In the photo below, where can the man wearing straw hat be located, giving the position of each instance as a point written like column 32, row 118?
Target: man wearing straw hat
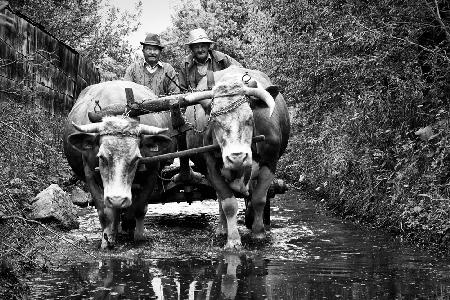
column 159, row 76
column 203, row 61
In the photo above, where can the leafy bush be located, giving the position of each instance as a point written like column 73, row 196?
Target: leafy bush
column 361, row 78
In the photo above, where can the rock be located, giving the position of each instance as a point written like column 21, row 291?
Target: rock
column 53, row 204
column 80, row 197
column 425, row 133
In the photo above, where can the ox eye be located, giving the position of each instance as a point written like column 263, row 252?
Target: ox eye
column 103, row 159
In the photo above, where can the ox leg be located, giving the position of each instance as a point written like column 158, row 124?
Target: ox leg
column 139, row 232
column 222, row 223
column 230, row 209
column 227, row 203
column 259, row 196
column 109, row 220
column 139, row 205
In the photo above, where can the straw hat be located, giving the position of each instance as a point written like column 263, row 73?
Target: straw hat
column 153, row 40
column 198, row 35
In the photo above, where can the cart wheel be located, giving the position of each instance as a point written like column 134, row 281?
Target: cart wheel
column 249, row 214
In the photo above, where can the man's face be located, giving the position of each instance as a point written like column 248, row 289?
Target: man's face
column 151, row 54
column 200, row 51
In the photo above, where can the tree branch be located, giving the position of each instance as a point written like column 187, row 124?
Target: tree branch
column 439, row 19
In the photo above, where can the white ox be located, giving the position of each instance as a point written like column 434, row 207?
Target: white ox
column 233, row 113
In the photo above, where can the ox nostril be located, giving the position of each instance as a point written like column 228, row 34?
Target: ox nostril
column 126, row 202
column 117, row 201
column 239, row 156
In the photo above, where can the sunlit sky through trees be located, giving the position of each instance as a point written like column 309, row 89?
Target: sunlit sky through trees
column 155, row 16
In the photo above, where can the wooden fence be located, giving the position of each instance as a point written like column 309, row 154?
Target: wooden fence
column 35, row 65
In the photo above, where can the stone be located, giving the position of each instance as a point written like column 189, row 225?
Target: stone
column 53, row 204
column 79, row 197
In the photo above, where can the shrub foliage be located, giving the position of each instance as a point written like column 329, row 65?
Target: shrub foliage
column 368, row 84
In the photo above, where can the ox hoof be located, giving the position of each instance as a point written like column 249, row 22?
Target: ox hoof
column 139, row 236
column 233, row 245
column 107, row 242
column 259, row 236
column 221, row 231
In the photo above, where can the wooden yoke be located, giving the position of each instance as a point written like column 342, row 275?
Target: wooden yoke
column 134, row 109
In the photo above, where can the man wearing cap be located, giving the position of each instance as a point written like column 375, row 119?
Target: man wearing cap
column 203, row 61
column 159, row 76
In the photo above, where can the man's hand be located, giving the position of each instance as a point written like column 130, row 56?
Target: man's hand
column 4, row 19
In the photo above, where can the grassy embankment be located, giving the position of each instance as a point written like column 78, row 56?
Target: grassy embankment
column 31, row 159
column 369, row 88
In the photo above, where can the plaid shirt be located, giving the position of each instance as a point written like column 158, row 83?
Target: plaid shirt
column 156, row 81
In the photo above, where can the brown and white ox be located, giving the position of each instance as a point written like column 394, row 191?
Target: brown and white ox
column 233, row 113
column 114, row 147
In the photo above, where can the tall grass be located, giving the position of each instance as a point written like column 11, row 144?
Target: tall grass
column 31, row 158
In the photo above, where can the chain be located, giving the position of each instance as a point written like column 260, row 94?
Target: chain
column 97, row 104
column 246, row 78
column 230, row 107
column 194, row 126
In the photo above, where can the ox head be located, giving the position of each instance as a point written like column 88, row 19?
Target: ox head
column 118, row 143
column 231, row 125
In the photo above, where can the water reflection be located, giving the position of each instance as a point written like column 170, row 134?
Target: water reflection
column 308, row 256
column 231, row 276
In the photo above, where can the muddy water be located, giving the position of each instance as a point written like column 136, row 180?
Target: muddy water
column 307, row 255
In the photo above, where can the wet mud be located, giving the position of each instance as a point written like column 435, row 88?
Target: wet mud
column 306, row 255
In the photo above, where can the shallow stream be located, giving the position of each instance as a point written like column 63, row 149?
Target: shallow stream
column 307, row 255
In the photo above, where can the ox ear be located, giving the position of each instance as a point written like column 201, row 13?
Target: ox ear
column 273, row 90
column 152, row 145
column 83, row 141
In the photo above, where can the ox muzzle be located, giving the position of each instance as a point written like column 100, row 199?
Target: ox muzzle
column 236, row 157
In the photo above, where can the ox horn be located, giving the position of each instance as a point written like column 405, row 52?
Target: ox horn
column 147, row 129
column 199, row 96
column 263, row 95
column 88, row 128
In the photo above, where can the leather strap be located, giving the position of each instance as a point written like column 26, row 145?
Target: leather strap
column 210, row 79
